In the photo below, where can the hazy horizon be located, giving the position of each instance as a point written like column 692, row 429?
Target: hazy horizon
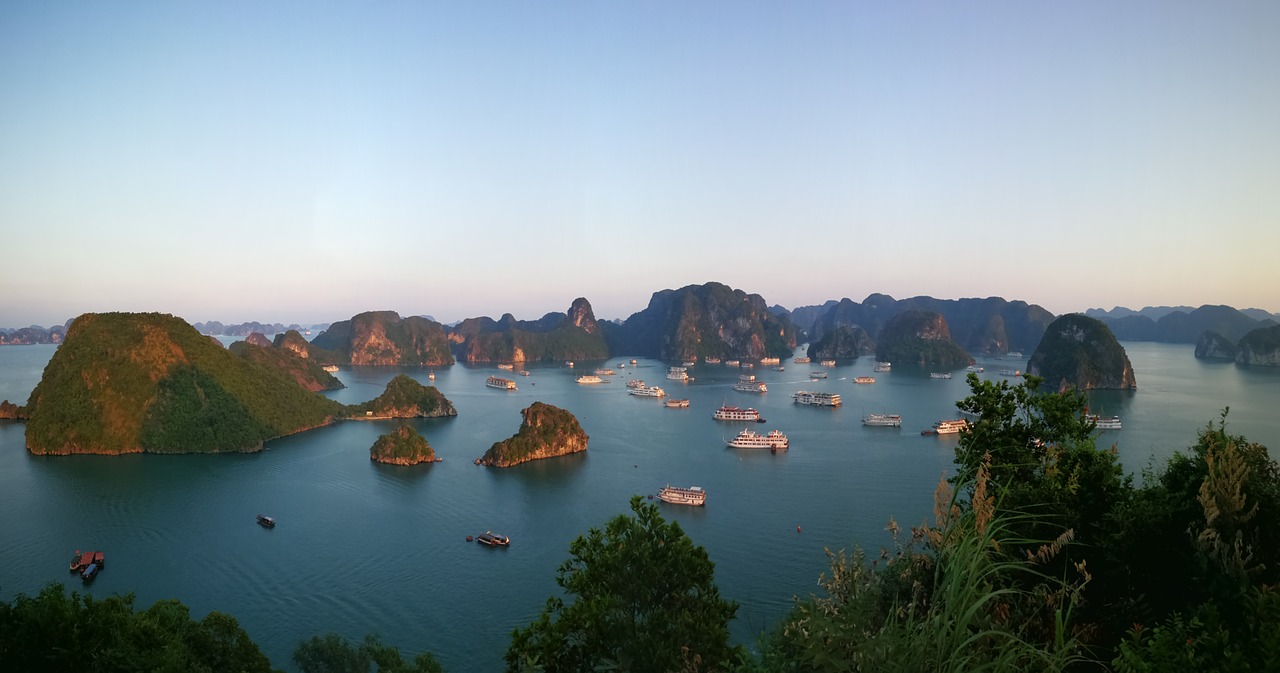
column 286, row 162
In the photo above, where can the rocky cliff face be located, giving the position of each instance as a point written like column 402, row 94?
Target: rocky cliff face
column 991, row 325
column 384, row 338
column 842, row 342
column 1081, row 352
column 573, row 335
column 711, row 320
column 1260, row 347
column 546, row 432
column 405, row 398
column 259, row 339
column 1214, row 346
column 920, row 337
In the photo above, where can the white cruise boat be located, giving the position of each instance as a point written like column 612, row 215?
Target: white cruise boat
column 883, row 420
column 694, row 495
column 940, row 375
column 747, row 383
column 770, row 361
column 948, row 427
column 646, row 391
column 802, row 361
column 773, row 440
column 589, row 378
column 1014, row 354
column 635, row 383
column 817, row 399
column 864, row 379
column 1101, row 423
column 731, row 363
column 828, row 363
column 883, row 366
column 688, row 363
column 817, row 375
column 711, row 361
column 330, row 368
column 504, row 384
column 506, row 366
column 677, row 374
column 604, row 372
column 727, row 413
column 676, row 404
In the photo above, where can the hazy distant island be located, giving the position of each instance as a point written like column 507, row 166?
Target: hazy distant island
column 402, row 446
column 546, row 432
column 1081, row 352
column 149, row 382
column 1182, row 324
column 920, row 337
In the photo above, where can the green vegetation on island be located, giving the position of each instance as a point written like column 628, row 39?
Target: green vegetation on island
column 1081, row 352
column 573, row 335
column 920, row 337
column 402, row 446
column 546, row 432
column 306, row 372
column 1260, row 347
column 405, row 398
column 131, row 382
column 384, row 338
column 843, row 341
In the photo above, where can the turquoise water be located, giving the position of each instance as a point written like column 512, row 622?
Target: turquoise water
column 364, row 548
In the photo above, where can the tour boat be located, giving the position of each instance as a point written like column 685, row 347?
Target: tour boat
column 940, row 375
column 974, row 368
column 504, row 384
column 647, row 391
column 711, row 361
column 883, row 420
column 747, row 383
column 523, row 372
column 947, row 427
column 694, row 495
column 491, row 539
column 1100, row 423
column 688, row 363
column 432, row 376
column 828, row 363
column 266, row 521
column 773, row 440
column 817, row 399
column 677, row 374
column 506, row 366
column 589, row 378
column 731, row 363
column 96, row 562
column 770, row 361
column 727, row 413
column 635, row 383
column 81, row 560
column 604, row 372
column 802, row 361
column 330, row 368
column 864, row 379
column 883, row 367
column 817, row 375
column 1010, row 372
column 778, row 368
column 677, row 404
column 1014, row 354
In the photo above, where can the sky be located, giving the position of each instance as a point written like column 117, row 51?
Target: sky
column 305, row 161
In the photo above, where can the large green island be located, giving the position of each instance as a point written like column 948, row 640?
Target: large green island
column 150, row 383
column 546, row 432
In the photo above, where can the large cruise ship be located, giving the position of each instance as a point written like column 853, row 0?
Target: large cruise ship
column 817, row 399
column 883, row 420
column 504, row 384
column 694, row 495
column 747, row 383
column 589, row 378
column 773, row 440
column 647, row 391
column 728, row 413
column 677, row 374
column 1100, row 423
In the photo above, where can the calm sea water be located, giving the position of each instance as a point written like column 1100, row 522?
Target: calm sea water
column 366, row 548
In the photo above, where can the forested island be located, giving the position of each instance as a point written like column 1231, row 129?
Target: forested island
column 1081, row 352
column 402, row 446
column 546, row 431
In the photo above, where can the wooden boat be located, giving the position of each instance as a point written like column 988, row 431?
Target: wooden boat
column 491, row 539
column 266, row 521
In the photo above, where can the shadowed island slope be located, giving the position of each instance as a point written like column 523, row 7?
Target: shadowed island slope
column 1081, row 352
column 149, row 382
column 384, row 338
column 920, row 337
column 546, row 432
column 1260, row 347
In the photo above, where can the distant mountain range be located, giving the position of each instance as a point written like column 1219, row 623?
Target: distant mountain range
column 1182, row 324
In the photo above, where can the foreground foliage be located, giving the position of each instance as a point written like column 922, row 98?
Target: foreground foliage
column 332, row 653
column 642, row 599
column 56, row 631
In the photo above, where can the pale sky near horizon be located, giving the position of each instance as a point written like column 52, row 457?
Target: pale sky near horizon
column 302, row 162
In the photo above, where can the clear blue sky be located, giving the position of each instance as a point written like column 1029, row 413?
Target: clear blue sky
column 304, row 161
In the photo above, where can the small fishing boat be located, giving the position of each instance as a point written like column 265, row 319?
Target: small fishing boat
column 266, row 521
column 491, row 539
